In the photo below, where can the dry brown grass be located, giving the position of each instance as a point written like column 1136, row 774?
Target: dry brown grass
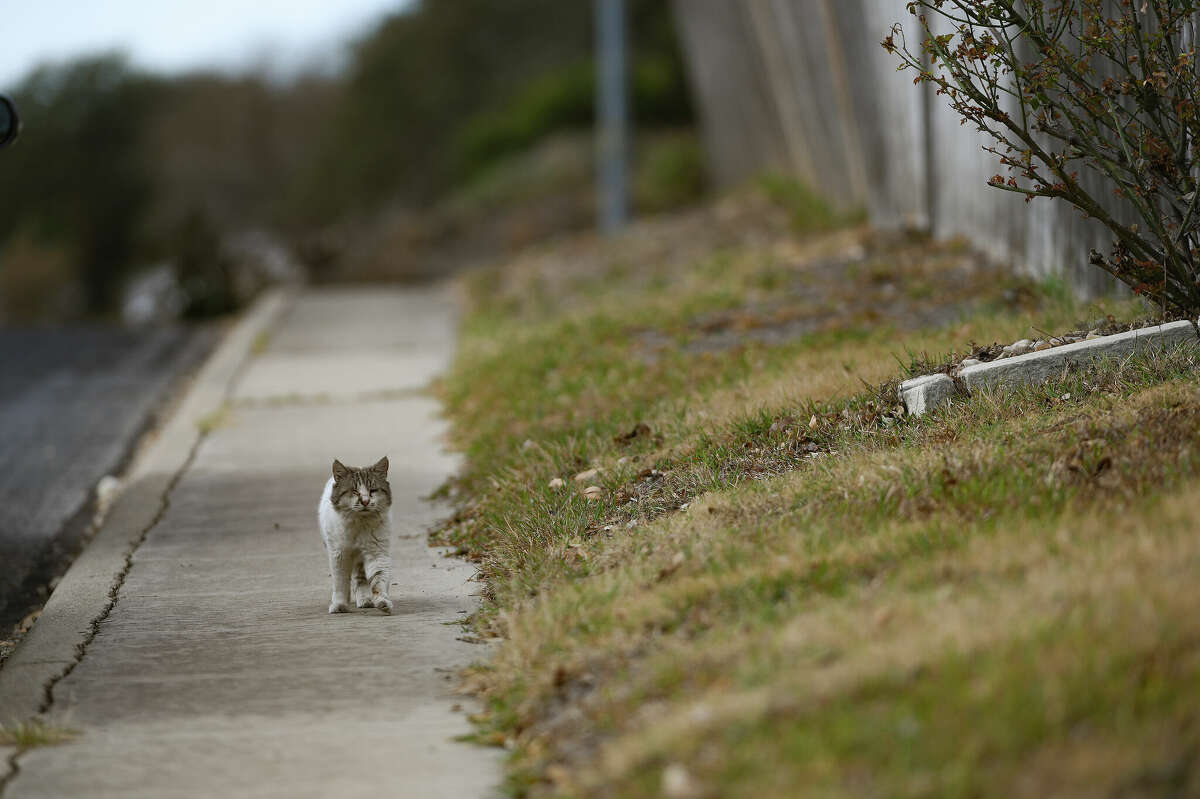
column 895, row 615
column 829, row 587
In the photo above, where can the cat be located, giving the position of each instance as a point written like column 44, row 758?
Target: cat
column 355, row 517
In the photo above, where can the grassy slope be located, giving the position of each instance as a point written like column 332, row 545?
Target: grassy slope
column 785, row 587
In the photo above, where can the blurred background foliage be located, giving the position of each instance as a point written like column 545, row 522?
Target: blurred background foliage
column 458, row 130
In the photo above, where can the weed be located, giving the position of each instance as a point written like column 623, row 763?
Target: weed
column 34, row 733
column 212, row 421
column 261, row 342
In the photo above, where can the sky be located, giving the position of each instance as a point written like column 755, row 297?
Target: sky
column 178, row 35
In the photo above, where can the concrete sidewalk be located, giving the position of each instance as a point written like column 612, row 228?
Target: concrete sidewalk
column 73, row 402
column 218, row 671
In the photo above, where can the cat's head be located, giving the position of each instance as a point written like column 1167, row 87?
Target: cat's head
column 360, row 491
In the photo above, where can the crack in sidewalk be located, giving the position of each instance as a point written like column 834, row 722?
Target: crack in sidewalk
column 14, row 768
column 114, row 591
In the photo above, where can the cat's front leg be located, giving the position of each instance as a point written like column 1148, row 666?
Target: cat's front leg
column 360, row 587
column 341, row 563
column 380, row 571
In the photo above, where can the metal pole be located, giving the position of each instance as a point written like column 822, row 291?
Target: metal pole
column 612, row 116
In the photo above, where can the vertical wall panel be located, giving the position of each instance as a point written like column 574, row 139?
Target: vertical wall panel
column 804, row 86
column 741, row 128
column 888, row 110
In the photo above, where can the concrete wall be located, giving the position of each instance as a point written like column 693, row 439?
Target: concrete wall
column 804, row 86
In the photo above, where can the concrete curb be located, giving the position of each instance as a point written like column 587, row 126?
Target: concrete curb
column 922, row 394
column 86, row 592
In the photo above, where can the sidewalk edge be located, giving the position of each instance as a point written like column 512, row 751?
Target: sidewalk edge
column 86, row 592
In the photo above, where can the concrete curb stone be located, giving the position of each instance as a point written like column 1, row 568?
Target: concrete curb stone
column 922, row 394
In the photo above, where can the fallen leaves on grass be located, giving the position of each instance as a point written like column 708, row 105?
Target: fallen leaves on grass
column 640, row 431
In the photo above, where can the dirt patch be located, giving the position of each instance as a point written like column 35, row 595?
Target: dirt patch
column 905, row 282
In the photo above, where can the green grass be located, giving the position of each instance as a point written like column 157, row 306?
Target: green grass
column 262, row 340
column 34, row 733
column 214, row 420
column 807, row 210
column 786, row 586
column 563, row 100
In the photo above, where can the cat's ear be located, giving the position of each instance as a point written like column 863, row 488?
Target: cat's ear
column 381, row 466
column 339, row 471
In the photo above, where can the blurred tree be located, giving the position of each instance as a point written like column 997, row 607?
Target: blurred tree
column 204, row 270
column 417, row 76
column 78, row 180
column 230, row 147
column 439, row 91
column 119, row 169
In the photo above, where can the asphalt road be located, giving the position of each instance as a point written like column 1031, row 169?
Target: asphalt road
column 72, row 403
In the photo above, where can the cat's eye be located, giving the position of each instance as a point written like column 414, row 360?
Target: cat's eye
column 373, row 490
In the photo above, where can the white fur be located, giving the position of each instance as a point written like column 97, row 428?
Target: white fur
column 358, row 540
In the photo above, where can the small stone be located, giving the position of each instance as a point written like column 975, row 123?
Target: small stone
column 558, row 774
column 677, row 783
column 107, row 490
column 527, row 444
column 593, row 492
column 813, row 422
column 1092, row 334
column 970, row 362
column 557, row 482
column 632, row 523
column 622, row 460
column 1042, row 345
column 584, row 476
column 1019, row 347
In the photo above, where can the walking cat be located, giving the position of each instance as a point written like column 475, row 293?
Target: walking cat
column 355, row 515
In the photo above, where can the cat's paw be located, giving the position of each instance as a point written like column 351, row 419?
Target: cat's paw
column 339, row 607
column 364, row 602
column 384, row 604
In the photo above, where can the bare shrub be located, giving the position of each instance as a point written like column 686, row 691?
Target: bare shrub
column 1102, row 85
